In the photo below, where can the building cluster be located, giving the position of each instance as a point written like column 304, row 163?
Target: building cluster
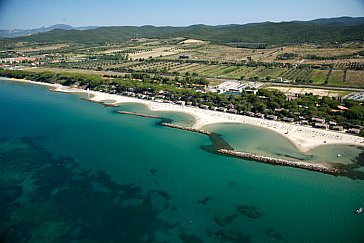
column 167, row 97
column 12, row 60
column 236, row 87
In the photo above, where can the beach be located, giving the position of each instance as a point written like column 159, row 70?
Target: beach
column 303, row 138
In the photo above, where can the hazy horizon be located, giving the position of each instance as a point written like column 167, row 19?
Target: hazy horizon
column 19, row 14
column 45, row 26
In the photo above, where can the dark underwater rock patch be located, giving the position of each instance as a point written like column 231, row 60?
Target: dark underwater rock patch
column 273, row 233
column 225, row 220
column 189, row 238
column 249, row 211
column 224, row 235
column 204, row 201
column 153, row 171
column 64, row 203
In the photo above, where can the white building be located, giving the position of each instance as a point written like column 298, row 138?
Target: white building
column 234, row 86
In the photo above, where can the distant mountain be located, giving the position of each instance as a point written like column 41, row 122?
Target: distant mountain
column 339, row 21
column 294, row 32
column 20, row 32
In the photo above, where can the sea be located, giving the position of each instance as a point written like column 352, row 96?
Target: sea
column 76, row 171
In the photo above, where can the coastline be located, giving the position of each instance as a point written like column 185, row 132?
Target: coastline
column 304, row 138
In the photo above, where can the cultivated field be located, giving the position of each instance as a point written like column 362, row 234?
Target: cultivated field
column 320, row 92
column 332, row 65
column 34, row 48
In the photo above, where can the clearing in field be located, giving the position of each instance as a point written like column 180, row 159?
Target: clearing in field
column 354, row 77
column 42, row 48
column 289, row 91
column 157, row 52
column 191, row 41
column 65, row 70
column 336, row 77
column 319, row 76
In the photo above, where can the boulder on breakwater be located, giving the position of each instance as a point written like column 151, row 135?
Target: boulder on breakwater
column 186, row 128
column 138, row 114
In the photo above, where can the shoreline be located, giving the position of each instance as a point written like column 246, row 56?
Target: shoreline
column 304, row 138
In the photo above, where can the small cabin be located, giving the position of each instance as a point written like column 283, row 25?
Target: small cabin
column 271, row 117
column 221, row 109
column 319, row 120
column 231, row 110
column 204, row 107
column 338, row 128
column 249, row 113
column 354, row 130
column 288, row 119
column 180, row 103
column 320, row 125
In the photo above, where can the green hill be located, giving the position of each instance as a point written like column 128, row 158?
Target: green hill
column 317, row 31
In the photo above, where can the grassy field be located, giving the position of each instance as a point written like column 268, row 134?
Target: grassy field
column 355, row 78
column 293, row 74
column 336, row 77
column 227, row 70
column 83, row 71
column 187, row 67
column 214, row 71
column 319, row 76
column 242, row 71
column 41, row 48
column 272, row 72
column 221, row 53
column 214, row 82
column 305, row 50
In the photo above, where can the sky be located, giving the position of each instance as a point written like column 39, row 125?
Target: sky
column 27, row 14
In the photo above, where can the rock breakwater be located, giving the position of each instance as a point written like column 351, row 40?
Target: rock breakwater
column 186, row 128
column 138, row 114
column 283, row 162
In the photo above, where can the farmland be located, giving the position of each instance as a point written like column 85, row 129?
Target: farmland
column 336, row 65
column 293, row 92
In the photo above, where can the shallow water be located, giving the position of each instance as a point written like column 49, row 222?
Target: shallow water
column 263, row 141
column 72, row 170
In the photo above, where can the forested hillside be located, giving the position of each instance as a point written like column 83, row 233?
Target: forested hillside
column 295, row 32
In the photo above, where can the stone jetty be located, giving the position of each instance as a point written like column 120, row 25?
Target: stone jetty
column 186, row 128
column 99, row 102
column 282, row 162
column 138, row 114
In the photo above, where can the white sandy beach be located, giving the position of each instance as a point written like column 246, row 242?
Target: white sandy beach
column 303, row 137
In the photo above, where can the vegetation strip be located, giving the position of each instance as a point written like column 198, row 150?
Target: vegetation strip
column 282, row 162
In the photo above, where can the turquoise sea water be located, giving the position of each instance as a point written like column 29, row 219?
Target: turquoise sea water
column 75, row 171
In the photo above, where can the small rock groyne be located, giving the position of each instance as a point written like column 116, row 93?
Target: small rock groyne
column 99, row 102
column 282, row 162
column 138, row 114
column 186, row 128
